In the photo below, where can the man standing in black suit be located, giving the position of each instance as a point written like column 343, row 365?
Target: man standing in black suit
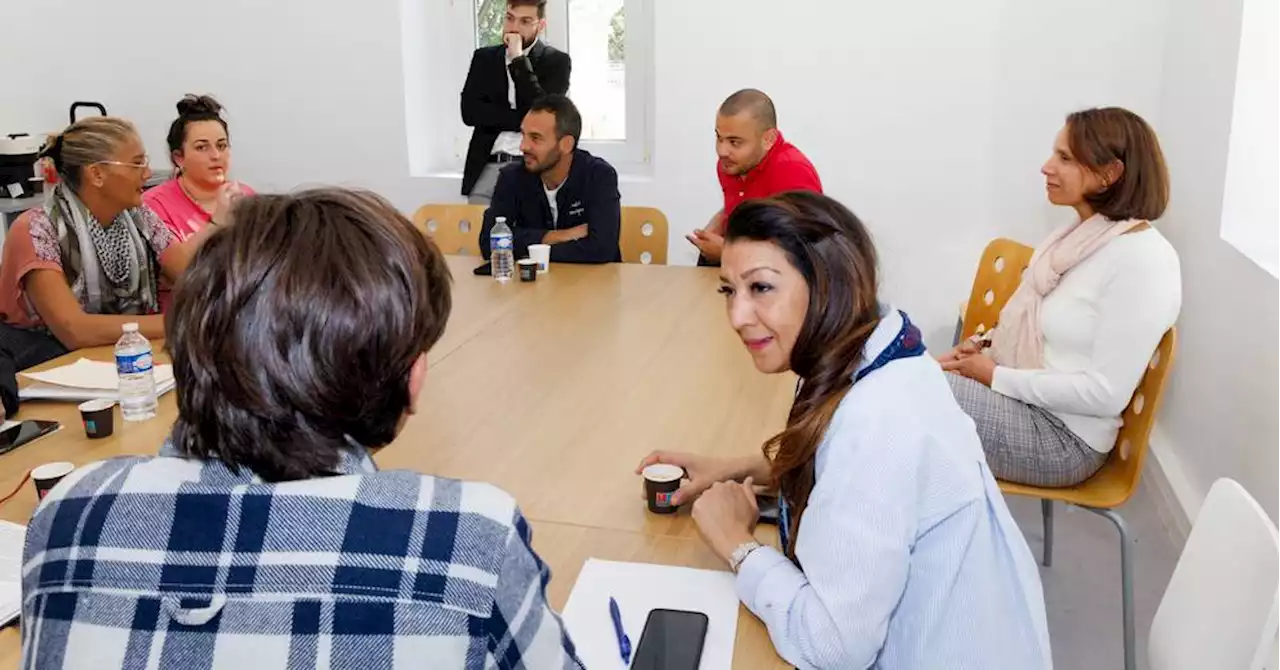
column 502, row 84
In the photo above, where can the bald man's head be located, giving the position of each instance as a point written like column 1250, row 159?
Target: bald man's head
column 752, row 102
column 746, row 129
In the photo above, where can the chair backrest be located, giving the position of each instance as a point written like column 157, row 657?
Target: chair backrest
column 455, row 228
column 1219, row 610
column 643, row 238
column 999, row 274
column 1139, row 417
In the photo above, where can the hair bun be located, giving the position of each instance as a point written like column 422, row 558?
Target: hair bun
column 52, row 148
column 198, row 105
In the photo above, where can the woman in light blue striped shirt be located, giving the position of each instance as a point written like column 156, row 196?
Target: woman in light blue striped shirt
column 897, row 548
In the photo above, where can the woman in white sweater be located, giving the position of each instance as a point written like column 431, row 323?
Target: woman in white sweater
column 1047, row 386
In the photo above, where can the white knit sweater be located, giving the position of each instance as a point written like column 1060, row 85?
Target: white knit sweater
column 1101, row 325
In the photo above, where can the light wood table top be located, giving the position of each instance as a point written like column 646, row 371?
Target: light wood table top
column 553, row 391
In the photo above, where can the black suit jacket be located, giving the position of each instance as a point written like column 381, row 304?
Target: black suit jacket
column 589, row 195
column 485, row 106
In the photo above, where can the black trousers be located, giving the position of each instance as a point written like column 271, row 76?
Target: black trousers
column 29, row 347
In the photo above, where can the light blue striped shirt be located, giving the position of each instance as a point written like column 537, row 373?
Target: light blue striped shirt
column 911, row 558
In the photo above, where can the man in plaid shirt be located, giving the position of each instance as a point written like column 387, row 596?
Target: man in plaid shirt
column 263, row 536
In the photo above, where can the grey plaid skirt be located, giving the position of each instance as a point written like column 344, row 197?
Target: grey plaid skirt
column 1025, row 443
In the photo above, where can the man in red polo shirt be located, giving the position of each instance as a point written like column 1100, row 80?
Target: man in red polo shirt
column 755, row 162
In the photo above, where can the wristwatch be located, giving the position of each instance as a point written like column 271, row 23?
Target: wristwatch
column 741, row 553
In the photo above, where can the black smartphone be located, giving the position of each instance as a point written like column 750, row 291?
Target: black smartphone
column 672, row 640
column 483, row 270
column 26, row 431
column 768, row 506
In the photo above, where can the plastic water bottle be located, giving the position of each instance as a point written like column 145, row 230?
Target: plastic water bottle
column 137, row 379
column 501, row 251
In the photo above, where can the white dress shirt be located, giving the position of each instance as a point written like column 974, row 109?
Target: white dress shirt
column 1101, row 324
column 910, row 557
column 508, row 142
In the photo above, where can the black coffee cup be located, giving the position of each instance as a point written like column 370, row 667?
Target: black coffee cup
column 98, row 417
column 661, row 481
column 528, row 269
column 48, row 475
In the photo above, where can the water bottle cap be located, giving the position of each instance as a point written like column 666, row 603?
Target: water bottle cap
column 500, row 219
column 130, row 327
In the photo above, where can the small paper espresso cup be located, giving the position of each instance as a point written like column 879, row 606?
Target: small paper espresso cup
column 661, row 481
column 47, row 476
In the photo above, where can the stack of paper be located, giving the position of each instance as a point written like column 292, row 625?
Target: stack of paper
column 639, row 588
column 85, row 380
column 11, row 538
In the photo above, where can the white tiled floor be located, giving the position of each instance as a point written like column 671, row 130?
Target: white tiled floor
column 1082, row 588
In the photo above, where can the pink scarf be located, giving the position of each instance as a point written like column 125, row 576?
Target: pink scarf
column 1018, row 342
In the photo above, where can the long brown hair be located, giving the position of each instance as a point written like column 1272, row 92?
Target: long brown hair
column 832, row 250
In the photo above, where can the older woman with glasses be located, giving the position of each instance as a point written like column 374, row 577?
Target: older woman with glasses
column 74, row 271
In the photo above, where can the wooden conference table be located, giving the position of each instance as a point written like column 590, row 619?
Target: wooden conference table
column 553, row 391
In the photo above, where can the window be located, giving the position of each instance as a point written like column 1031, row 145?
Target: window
column 1250, row 211
column 610, row 43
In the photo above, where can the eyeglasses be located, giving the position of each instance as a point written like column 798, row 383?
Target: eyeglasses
column 144, row 165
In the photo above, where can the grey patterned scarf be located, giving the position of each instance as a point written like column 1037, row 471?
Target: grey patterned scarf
column 111, row 269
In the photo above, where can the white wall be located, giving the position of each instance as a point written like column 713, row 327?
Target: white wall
column 929, row 121
column 1219, row 418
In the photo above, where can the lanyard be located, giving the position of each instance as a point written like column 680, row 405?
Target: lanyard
column 906, row 344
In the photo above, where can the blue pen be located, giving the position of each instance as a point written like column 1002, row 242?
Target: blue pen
column 624, row 642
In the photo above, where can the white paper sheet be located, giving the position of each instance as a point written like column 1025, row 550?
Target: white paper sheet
column 92, row 375
column 41, row 391
column 11, row 538
column 639, row 588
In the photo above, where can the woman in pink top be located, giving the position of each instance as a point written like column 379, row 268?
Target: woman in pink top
column 200, row 149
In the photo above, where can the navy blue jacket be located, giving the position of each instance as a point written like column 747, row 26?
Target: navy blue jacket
column 588, row 195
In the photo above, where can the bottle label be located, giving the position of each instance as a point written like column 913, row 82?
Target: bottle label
column 501, row 242
column 132, row 364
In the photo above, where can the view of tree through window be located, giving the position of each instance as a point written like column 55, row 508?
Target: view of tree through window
column 618, row 36
column 489, row 17
column 597, row 42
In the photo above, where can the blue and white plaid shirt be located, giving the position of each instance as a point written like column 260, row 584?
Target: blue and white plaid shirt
column 169, row 562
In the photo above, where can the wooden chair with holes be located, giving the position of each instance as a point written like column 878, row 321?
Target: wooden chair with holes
column 454, row 228
column 999, row 273
column 1116, row 482
column 643, row 238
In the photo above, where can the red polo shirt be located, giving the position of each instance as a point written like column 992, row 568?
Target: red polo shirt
column 783, row 169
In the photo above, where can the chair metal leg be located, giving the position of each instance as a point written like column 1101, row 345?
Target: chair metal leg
column 1046, row 513
column 1126, row 584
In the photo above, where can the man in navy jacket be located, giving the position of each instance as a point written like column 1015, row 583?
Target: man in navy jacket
column 560, row 195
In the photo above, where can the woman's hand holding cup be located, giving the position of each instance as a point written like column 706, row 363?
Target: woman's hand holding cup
column 700, row 472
